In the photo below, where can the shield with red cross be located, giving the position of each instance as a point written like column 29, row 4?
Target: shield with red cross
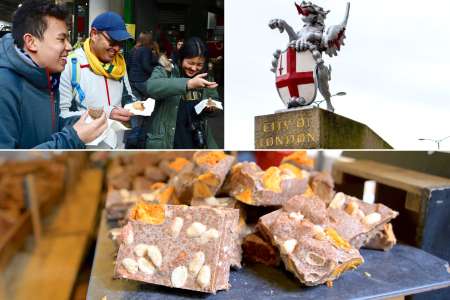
column 296, row 76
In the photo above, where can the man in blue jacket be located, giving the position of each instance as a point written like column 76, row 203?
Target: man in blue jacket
column 31, row 60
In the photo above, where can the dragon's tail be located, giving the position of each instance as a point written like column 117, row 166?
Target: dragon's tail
column 347, row 14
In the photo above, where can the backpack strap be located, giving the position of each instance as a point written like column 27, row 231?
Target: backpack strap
column 75, row 80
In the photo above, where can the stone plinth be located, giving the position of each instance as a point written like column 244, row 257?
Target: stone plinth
column 314, row 128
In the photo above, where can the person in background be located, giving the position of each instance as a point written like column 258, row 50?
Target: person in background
column 175, row 54
column 96, row 75
column 141, row 62
column 31, row 60
column 79, row 43
column 177, row 89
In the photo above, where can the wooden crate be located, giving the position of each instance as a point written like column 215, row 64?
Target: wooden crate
column 423, row 200
column 50, row 269
column 15, row 237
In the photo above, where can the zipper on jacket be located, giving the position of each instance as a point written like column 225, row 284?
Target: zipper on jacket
column 52, row 98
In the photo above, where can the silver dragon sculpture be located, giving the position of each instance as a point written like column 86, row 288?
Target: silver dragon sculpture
column 313, row 37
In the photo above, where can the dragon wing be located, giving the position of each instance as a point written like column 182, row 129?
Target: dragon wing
column 335, row 36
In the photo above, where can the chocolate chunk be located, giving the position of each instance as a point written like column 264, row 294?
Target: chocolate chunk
column 155, row 174
column 384, row 239
column 322, row 185
column 257, row 250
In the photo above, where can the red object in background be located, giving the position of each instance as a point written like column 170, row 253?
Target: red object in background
column 80, row 25
column 267, row 159
column 215, row 49
column 220, row 20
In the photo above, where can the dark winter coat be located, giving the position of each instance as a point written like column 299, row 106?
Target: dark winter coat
column 29, row 106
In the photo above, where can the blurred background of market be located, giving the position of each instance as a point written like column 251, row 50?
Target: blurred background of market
column 168, row 20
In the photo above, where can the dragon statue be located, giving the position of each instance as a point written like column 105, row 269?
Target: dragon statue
column 314, row 38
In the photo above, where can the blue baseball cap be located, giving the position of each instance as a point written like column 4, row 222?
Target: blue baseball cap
column 113, row 25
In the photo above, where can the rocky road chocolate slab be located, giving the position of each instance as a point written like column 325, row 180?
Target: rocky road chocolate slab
column 178, row 246
column 314, row 254
column 355, row 221
column 253, row 186
column 358, row 221
column 119, row 202
column 211, row 169
column 204, row 179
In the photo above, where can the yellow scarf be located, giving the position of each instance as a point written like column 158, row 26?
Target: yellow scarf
column 115, row 70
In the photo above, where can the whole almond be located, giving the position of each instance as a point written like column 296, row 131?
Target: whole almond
column 196, row 229
column 145, row 266
column 130, row 265
column 130, row 237
column 155, row 255
column 372, row 218
column 140, row 250
column 176, row 226
column 179, row 276
column 204, row 276
column 210, row 234
column 196, row 263
column 338, row 201
column 288, row 246
column 315, row 259
column 296, row 216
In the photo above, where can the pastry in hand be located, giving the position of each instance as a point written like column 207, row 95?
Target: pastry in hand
column 210, row 102
column 95, row 113
column 138, row 105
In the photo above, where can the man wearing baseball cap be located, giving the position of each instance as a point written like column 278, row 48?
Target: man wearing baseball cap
column 95, row 75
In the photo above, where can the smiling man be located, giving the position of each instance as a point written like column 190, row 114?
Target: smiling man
column 95, row 76
column 31, row 60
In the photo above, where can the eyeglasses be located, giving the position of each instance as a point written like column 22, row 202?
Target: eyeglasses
column 111, row 42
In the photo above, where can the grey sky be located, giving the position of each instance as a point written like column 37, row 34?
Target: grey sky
column 394, row 67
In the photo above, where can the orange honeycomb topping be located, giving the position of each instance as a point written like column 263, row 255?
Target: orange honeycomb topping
column 206, row 185
column 336, row 239
column 209, row 179
column 245, row 196
column 166, row 195
column 309, row 192
column 352, row 264
column 272, row 179
column 300, row 158
column 209, row 158
column 178, row 164
column 148, row 213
